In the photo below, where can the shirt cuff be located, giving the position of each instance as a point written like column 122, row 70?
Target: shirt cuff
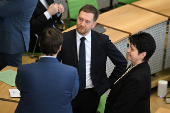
column 47, row 15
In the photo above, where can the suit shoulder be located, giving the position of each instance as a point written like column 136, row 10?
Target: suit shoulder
column 69, row 32
column 100, row 34
column 67, row 67
column 26, row 66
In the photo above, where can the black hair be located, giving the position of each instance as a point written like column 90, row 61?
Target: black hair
column 144, row 42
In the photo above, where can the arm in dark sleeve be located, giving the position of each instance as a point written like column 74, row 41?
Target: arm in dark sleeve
column 129, row 95
column 57, row 18
column 118, row 60
column 37, row 22
column 18, row 80
column 10, row 7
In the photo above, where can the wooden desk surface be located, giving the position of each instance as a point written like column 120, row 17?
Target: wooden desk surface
column 69, row 29
column 130, row 19
column 7, row 107
column 157, row 102
column 163, row 110
column 114, row 35
column 4, row 88
column 158, row 6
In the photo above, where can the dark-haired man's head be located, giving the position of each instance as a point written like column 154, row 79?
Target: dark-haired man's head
column 50, row 41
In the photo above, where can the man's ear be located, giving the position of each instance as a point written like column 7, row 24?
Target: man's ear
column 94, row 24
column 59, row 49
column 39, row 44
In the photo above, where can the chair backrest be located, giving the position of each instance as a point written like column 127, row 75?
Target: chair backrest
column 75, row 5
column 103, row 3
column 101, row 106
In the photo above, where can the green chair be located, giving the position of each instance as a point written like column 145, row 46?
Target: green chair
column 127, row 1
column 74, row 7
column 102, row 103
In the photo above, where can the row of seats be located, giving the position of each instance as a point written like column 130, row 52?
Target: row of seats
column 100, row 3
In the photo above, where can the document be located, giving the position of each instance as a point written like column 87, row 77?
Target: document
column 14, row 93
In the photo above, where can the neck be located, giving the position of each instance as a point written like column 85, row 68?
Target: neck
column 136, row 63
column 55, row 55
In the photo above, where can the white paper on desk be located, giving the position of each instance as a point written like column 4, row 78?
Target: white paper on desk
column 14, row 93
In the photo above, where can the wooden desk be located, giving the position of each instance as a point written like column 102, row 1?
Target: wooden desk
column 7, row 107
column 130, row 19
column 161, row 7
column 4, row 88
column 158, row 6
column 157, row 102
column 115, row 35
column 163, row 110
column 69, row 29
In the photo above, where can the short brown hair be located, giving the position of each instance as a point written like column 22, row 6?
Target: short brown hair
column 90, row 9
column 50, row 41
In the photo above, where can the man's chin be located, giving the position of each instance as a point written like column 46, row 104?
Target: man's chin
column 81, row 32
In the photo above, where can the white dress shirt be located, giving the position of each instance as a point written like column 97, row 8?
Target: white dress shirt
column 89, row 83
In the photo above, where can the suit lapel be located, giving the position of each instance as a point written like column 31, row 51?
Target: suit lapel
column 50, row 2
column 40, row 5
column 73, row 44
column 94, row 49
column 121, row 80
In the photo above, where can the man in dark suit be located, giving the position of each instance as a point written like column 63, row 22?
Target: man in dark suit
column 87, row 50
column 45, row 15
column 47, row 86
column 14, row 30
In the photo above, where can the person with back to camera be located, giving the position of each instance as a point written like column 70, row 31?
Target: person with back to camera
column 47, row 86
column 14, row 30
column 88, row 50
column 131, row 92
column 45, row 15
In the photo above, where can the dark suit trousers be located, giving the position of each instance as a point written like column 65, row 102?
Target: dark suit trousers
column 86, row 101
column 10, row 59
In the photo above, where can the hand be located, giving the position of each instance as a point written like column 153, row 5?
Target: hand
column 53, row 9
column 60, row 8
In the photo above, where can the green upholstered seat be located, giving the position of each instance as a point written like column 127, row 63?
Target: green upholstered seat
column 102, row 103
column 74, row 7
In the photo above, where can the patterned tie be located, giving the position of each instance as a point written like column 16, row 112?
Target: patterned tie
column 82, row 64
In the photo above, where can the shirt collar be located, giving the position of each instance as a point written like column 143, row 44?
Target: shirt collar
column 48, row 56
column 88, row 36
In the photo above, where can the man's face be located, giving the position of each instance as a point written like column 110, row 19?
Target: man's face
column 85, row 23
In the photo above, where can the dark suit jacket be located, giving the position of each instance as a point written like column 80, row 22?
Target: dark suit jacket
column 39, row 23
column 101, row 47
column 46, row 86
column 14, row 25
column 131, row 94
